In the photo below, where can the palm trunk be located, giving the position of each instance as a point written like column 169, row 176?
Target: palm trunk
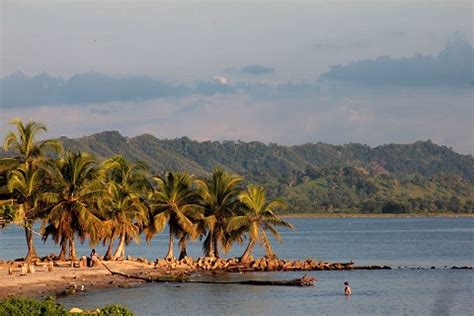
column 62, row 253
column 248, row 251
column 215, row 245
column 108, row 254
column 182, row 245
column 120, row 251
column 29, row 242
column 72, row 249
column 268, row 248
column 210, row 245
column 170, row 245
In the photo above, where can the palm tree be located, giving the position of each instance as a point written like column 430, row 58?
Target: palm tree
column 25, row 145
column 26, row 186
column 29, row 154
column 123, row 203
column 260, row 217
column 175, row 202
column 77, row 189
column 220, row 198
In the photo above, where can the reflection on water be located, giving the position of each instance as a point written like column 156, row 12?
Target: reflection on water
column 409, row 242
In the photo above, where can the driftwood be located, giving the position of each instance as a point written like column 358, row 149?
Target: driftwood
column 303, row 281
column 182, row 277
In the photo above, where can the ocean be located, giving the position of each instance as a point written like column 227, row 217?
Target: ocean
column 412, row 246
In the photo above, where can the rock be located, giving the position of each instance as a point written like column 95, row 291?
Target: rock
column 76, row 310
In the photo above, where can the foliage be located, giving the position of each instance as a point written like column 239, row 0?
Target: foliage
column 26, row 306
column 115, row 310
column 314, row 177
column 19, row 306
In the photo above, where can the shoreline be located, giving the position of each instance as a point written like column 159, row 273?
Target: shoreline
column 362, row 215
column 65, row 280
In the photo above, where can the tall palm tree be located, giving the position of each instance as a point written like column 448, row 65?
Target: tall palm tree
column 175, row 202
column 123, row 203
column 28, row 154
column 77, row 188
column 257, row 221
column 220, row 195
column 26, row 186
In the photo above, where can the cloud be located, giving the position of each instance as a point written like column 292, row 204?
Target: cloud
column 221, row 80
column 256, row 70
column 334, row 115
column 20, row 90
column 452, row 66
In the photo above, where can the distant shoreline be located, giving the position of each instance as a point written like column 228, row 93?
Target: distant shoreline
column 360, row 215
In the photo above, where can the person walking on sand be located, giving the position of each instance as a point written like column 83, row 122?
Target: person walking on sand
column 347, row 289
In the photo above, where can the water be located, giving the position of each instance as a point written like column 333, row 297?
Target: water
column 404, row 242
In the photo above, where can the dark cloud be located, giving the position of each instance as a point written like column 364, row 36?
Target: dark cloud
column 452, row 66
column 257, row 70
column 20, row 90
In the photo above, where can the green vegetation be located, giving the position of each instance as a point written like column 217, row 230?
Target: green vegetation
column 48, row 307
column 27, row 306
column 78, row 198
column 417, row 177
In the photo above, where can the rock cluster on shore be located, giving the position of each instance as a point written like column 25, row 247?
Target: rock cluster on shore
column 261, row 264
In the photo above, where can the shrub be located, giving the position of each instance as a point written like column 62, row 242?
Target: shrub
column 25, row 306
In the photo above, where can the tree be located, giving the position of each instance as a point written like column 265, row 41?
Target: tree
column 26, row 186
column 123, row 204
column 220, row 194
column 24, row 143
column 260, row 217
column 24, row 178
column 77, row 189
column 174, row 201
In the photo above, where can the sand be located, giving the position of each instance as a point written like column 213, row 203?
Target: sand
column 63, row 280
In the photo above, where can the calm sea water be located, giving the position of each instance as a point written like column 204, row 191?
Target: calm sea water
column 400, row 242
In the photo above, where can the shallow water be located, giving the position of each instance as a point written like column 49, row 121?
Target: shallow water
column 404, row 242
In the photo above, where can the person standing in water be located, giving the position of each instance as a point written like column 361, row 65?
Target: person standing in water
column 347, row 289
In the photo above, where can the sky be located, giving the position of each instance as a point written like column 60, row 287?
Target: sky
column 339, row 71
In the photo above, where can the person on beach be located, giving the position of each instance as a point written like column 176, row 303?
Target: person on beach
column 347, row 289
column 93, row 258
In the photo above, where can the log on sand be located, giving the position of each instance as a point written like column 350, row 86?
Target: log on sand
column 184, row 278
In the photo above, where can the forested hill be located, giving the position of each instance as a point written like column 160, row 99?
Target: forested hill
column 423, row 157
column 323, row 177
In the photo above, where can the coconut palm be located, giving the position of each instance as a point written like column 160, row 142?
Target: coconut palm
column 220, row 195
column 257, row 221
column 24, row 142
column 123, row 203
column 175, row 202
column 28, row 154
column 77, row 188
column 26, row 185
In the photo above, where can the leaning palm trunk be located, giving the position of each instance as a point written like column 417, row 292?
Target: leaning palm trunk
column 29, row 241
column 72, row 249
column 245, row 258
column 182, row 245
column 108, row 254
column 170, row 245
column 62, row 253
column 120, row 251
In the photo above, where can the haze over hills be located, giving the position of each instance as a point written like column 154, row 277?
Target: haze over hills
column 313, row 177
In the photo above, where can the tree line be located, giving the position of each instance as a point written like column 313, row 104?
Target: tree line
column 116, row 201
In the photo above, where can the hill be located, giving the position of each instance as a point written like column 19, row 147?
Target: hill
column 421, row 176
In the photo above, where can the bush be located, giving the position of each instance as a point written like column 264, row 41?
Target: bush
column 25, row 306
column 115, row 310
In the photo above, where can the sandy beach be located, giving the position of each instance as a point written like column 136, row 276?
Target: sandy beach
column 63, row 280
